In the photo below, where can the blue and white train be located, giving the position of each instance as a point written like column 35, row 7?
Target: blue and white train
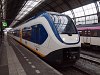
column 51, row 35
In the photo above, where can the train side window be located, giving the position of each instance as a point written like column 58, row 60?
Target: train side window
column 17, row 32
column 98, row 33
column 89, row 33
column 23, row 33
column 26, row 33
column 39, row 34
column 80, row 32
column 94, row 33
column 85, row 33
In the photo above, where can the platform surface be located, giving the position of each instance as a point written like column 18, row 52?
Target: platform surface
column 17, row 60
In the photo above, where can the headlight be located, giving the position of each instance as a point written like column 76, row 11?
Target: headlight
column 63, row 39
column 77, row 38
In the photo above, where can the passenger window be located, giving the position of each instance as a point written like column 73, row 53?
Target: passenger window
column 17, row 32
column 80, row 32
column 98, row 33
column 95, row 33
column 39, row 34
column 89, row 33
column 26, row 33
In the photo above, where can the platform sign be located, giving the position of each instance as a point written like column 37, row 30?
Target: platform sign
column 4, row 24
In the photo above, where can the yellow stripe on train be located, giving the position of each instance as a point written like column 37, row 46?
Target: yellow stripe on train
column 40, row 54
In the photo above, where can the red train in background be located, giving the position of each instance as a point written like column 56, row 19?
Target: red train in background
column 90, row 35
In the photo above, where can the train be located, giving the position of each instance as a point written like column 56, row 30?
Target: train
column 90, row 35
column 51, row 35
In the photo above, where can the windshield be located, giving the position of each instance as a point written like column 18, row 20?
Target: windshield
column 64, row 24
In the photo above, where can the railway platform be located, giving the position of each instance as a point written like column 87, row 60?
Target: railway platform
column 17, row 60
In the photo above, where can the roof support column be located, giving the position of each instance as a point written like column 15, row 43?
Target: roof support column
column 98, row 13
column 83, row 10
column 66, row 2
column 73, row 16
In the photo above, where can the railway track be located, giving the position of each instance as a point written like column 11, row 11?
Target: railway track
column 89, row 57
column 92, row 54
column 89, row 64
column 86, row 65
column 71, row 71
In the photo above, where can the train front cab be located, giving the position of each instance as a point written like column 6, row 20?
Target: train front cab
column 65, row 56
column 66, row 32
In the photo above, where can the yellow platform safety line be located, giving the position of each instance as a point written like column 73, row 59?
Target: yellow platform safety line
column 40, row 54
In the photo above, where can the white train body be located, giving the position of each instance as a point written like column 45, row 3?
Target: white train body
column 91, row 40
column 45, row 39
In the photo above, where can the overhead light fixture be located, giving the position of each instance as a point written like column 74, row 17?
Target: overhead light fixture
column 28, row 7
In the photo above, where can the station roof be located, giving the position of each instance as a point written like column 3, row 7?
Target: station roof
column 13, row 7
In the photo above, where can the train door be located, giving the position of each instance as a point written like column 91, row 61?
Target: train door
column 35, row 37
column 88, row 39
column 84, row 36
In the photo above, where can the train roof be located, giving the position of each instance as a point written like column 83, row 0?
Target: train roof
column 45, row 13
column 42, row 13
column 94, row 26
column 89, row 28
column 88, row 25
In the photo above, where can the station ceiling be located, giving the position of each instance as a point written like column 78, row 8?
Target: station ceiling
column 14, row 6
